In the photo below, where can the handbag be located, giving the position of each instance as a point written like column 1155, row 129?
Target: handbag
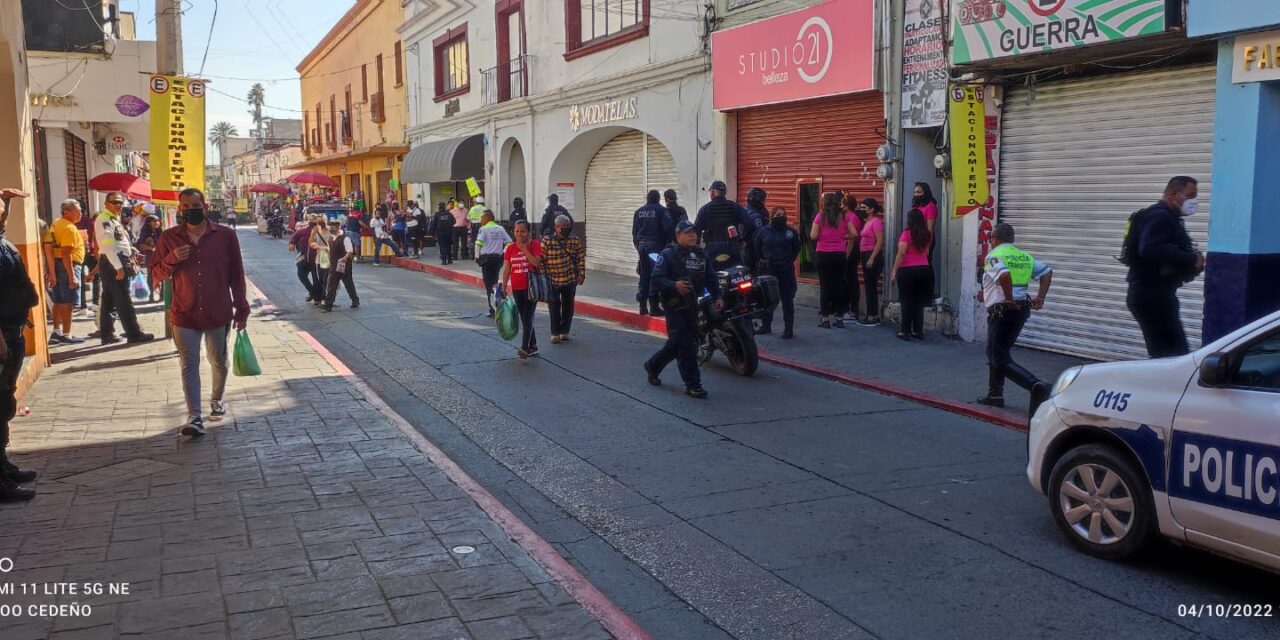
column 539, row 286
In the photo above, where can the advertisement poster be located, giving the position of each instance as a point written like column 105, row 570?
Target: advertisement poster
column 968, row 148
column 924, row 65
column 177, row 136
column 565, row 191
column 987, row 29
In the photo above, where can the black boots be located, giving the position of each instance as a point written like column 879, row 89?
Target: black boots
column 655, row 309
column 10, row 477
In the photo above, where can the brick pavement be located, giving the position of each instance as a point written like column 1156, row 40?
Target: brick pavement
column 304, row 513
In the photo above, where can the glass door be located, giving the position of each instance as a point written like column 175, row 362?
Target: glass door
column 808, row 200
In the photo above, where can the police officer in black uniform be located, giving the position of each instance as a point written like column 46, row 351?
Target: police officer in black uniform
column 518, row 212
column 650, row 228
column 715, row 221
column 1162, row 258
column 17, row 296
column 554, row 210
column 680, row 274
column 759, row 219
column 678, row 213
column 778, row 246
column 442, row 228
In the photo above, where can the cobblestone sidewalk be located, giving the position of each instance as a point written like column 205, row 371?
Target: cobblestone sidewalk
column 303, row 514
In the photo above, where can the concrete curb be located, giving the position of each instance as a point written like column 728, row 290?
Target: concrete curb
column 658, row 325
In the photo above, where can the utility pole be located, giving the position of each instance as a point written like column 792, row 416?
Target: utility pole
column 169, row 36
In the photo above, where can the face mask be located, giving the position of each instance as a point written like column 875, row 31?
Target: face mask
column 917, row 201
column 1190, row 206
column 779, row 223
column 564, row 233
column 193, row 215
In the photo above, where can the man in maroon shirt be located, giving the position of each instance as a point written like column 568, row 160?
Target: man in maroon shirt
column 203, row 259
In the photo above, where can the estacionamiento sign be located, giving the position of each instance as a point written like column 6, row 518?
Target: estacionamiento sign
column 988, row 29
column 177, row 136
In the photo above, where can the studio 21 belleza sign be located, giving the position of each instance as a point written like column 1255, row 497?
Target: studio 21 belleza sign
column 988, row 29
column 823, row 50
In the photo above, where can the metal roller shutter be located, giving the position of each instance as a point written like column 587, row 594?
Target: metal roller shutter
column 617, row 178
column 1077, row 158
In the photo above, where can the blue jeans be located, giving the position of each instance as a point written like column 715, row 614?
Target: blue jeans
column 355, row 241
column 377, row 249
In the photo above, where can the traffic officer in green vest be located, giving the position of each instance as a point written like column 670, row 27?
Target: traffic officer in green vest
column 1009, row 272
column 473, row 216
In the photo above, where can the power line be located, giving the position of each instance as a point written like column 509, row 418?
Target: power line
column 209, row 42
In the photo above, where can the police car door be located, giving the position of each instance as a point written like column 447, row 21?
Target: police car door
column 1224, row 463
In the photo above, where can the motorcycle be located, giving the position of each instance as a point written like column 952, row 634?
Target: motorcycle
column 275, row 225
column 731, row 330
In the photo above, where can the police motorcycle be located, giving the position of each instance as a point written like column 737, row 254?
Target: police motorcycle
column 275, row 223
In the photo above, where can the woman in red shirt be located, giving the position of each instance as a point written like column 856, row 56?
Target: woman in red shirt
column 518, row 259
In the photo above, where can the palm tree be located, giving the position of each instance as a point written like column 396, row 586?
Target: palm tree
column 221, row 132
column 257, row 95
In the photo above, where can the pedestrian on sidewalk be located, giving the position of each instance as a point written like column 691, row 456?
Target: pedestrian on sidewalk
column 922, row 199
column 778, row 246
column 518, row 212
column 399, row 224
column 418, row 223
column 90, row 283
column 341, row 253
column 148, row 238
column 871, row 258
column 382, row 236
column 1009, row 272
column 461, row 228
column 650, row 227
column 300, row 243
column 489, row 250
column 565, row 260
column 441, row 228
column 915, row 288
column 830, row 232
column 721, row 223
column 116, row 268
column 474, row 214
column 68, row 249
column 554, row 210
column 202, row 259
column 678, row 213
column 760, row 219
column 354, row 225
column 321, row 238
column 854, row 214
column 1162, row 257
column 17, row 297
column 682, row 270
column 519, row 259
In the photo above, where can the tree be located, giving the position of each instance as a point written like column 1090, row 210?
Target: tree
column 221, row 132
column 257, row 95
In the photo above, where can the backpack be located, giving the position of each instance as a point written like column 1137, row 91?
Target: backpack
column 1129, row 246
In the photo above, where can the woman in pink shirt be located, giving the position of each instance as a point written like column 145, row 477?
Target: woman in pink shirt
column 853, row 217
column 830, row 233
column 922, row 199
column 871, row 258
column 915, row 287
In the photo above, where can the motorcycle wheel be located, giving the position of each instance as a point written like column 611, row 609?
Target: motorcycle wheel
column 740, row 349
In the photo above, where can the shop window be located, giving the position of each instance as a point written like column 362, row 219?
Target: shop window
column 595, row 25
column 453, row 76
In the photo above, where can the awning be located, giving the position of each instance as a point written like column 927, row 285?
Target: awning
column 444, row 161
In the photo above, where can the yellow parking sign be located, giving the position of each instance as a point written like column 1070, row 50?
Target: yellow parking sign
column 473, row 187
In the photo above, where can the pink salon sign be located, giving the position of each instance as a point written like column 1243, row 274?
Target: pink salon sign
column 824, row 50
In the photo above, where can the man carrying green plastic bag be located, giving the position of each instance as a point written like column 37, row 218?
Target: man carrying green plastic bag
column 202, row 261
column 507, row 318
column 243, row 361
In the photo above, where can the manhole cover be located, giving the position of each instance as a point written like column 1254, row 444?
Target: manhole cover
column 463, row 549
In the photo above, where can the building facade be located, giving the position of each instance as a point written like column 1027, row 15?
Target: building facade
column 355, row 105
column 594, row 103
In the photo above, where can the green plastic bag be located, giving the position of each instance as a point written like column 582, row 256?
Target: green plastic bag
column 243, row 360
column 508, row 319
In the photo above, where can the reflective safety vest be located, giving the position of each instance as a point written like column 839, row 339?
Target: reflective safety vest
column 1019, row 263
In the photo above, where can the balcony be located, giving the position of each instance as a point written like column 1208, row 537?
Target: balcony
column 506, row 81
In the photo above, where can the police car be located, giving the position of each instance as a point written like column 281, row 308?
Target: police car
column 1188, row 447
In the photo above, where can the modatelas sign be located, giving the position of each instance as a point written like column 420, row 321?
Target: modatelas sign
column 987, row 29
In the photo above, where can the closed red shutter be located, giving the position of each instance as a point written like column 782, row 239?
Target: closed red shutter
column 831, row 140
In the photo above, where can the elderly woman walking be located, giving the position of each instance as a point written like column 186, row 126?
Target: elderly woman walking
column 565, row 261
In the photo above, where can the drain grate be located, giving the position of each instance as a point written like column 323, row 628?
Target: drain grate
column 118, row 472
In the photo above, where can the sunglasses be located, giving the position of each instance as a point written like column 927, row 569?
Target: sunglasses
column 115, row 202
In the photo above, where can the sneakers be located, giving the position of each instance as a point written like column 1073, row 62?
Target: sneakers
column 14, row 474
column 56, row 338
column 141, row 338
column 217, row 410
column 194, row 427
column 70, row 339
column 532, row 351
column 555, row 339
column 869, row 322
column 991, row 401
column 564, row 337
column 695, row 392
column 653, row 377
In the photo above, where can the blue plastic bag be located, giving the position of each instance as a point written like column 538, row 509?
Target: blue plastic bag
column 139, row 287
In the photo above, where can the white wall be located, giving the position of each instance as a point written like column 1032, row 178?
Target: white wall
column 93, row 83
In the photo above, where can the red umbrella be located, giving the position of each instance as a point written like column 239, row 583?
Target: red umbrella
column 126, row 183
column 267, row 187
column 312, row 177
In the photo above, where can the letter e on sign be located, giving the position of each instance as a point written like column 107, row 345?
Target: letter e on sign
column 196, row 89
column 159, row 84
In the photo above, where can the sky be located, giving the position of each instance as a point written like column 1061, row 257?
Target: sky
column 253, row 41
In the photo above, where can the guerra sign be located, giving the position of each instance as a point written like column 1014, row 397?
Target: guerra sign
column 989, row 29
column 823, row 50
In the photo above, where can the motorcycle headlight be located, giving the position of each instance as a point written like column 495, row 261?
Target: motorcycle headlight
column 1065, row 380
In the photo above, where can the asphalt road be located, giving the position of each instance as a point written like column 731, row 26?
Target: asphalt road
column 784, row 506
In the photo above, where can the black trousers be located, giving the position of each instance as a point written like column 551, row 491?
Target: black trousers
column 115, row 297
column 322, row 282
column 915, row 289
column 561, row 306
column 681, row 346
column 347, row 280
column 831, row 267
column 463, row 249
column 9, row 369
column 525, row 306
column 444, row 241
column 786, row 275
column 852, row 293
column 871, row 281
column 1156, row 310
column 644, row 267
column 1003, row 327
column 490, row 270
column 307, row 276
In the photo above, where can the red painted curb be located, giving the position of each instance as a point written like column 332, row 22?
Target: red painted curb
column 659, row 325
column 598, row 605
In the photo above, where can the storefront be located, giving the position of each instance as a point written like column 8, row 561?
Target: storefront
column 802, row 111
column 1078, row 155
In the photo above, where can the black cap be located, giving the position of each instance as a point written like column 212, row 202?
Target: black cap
column 683, row 226
column 756, row 194
column 669, row 194
column 718, row 185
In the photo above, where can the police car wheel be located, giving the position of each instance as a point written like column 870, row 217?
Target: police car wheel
column 1101, row 502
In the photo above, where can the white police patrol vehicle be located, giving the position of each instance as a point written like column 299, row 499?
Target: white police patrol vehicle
column 1187, row 446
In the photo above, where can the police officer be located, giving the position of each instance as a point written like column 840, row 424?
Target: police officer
column 677, row 212
column 518, row 212
column 17, row 296
column 553, row 211
column 720, row 225
column 650, row 228
column 1004, row 291
column 679, row 275
column 778, row 246
column 441, row 227
column 759, row 220
column 1162, row 258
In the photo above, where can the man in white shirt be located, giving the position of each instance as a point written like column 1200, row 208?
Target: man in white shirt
column 341, row 252
column 1004, row 291
column 115, row 269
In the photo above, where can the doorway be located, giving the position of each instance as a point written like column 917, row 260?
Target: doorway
column 808, row 200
